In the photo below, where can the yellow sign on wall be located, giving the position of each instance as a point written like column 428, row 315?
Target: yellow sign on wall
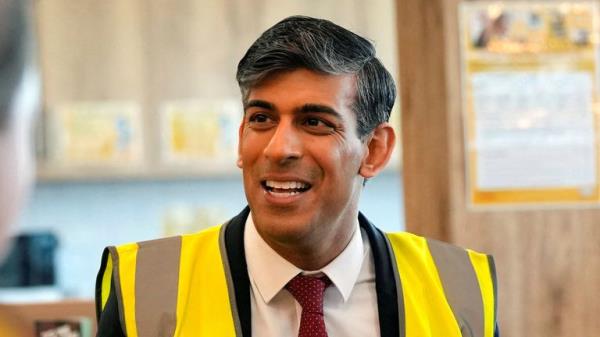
column 530, row 102
column 97, row 134
column 199, row 131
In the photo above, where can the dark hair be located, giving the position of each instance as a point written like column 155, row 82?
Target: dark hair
column 322, row 46
column 15, row 53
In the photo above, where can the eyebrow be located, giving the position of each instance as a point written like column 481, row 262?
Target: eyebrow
column 319, row 108
column 306, row 108
column 257, row 103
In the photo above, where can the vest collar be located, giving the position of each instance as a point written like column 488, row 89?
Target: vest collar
column 389, row 297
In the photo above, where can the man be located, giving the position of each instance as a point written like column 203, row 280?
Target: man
column 19, row 91
column 301, row 260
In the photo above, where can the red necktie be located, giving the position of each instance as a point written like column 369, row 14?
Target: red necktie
column 308, row 291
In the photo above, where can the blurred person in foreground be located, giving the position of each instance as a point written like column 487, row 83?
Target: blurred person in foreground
column 19, row 99
column 301, row 260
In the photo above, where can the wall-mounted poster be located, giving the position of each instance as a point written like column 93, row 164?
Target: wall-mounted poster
column 530, row 102
column 96, row 134
column 200, row 131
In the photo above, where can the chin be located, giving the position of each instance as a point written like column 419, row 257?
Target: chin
column 283, row 228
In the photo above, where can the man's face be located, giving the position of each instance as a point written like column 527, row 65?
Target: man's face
column 300, row 156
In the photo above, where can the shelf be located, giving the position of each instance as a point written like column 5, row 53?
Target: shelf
column 95, row 174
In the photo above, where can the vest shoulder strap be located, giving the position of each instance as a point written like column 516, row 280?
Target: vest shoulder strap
column 446, row 289
column 469, row 282
column 157, row 284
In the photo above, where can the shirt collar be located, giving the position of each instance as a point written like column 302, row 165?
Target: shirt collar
column 270, row 272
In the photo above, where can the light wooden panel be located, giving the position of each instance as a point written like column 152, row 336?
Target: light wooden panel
column 547, row 260
column 424, row 121
column 91, row 50
column 155, row 51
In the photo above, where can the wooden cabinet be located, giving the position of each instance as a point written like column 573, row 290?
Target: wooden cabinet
column 19, row 320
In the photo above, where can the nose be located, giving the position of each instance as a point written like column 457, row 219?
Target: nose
column 285, row 145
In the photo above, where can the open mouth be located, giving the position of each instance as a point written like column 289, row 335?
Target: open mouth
column 285, row 188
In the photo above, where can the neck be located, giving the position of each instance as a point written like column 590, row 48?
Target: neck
column 310, row 255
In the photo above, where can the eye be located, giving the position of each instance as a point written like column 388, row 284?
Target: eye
column 314, row 122
column 260, row 121
column 258, row 118
column 318, row 125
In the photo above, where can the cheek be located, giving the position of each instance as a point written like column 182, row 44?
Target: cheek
column 247, row 145
column 246, row 157
column 347, row 163
column 347, row 157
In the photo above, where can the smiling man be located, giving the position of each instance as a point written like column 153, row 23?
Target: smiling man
column 301, row 260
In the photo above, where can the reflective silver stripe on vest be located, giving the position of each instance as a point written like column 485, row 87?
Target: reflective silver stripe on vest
column 232, row 301
column 156, row 301
column 461, row 286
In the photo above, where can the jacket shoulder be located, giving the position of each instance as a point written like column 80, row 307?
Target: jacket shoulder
column 467, row 277
column 408, row 240
column 204, row 234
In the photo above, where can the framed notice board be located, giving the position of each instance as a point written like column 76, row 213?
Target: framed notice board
column 530, row 103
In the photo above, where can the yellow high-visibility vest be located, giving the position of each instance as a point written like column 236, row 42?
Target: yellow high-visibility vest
column 192, row 285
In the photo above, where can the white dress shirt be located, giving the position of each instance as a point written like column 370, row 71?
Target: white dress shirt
column 349, row 305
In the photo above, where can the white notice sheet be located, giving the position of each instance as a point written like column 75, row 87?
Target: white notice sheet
column 533, row 130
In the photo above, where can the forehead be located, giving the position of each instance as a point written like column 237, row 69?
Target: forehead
column 301, row 86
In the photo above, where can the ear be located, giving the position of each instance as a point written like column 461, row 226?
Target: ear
column 380, row 146
column 239, row 161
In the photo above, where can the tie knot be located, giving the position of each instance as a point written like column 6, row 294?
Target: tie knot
column 308, row 291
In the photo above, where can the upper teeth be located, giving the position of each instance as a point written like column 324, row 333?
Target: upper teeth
column 286, row 184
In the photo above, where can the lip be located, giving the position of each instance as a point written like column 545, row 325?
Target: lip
column 278, row 177
column 277, row 198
